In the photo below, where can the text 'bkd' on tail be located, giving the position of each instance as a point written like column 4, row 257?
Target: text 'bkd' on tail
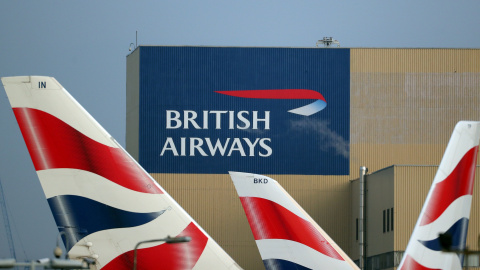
column 102, row 200
column 447, row 207
column 286, row 236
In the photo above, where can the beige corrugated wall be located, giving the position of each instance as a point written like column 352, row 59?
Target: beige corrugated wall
column 213, row 202
column 411, row 188
column 409, row 201
column 404, row 105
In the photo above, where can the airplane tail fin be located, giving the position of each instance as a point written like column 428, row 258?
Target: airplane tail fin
column 102, row 200
column 447, row 207
column 286, row 236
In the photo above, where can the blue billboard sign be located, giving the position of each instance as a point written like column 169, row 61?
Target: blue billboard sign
column 264, row 110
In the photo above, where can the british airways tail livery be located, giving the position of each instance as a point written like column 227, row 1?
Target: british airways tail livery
column 286, row 236
column 102, row 200
column 447, row 207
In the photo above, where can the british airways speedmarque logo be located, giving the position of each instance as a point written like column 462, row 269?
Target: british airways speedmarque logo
column 306, row 110
column 268, row 112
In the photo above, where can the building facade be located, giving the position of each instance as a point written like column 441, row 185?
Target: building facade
column 393, row 199
column 391, row 110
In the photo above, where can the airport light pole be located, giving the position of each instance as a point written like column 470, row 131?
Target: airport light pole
column 361, row 218
column 168, row 240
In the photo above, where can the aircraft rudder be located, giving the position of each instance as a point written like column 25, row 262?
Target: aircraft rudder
column 84, row 172
column 448, row 203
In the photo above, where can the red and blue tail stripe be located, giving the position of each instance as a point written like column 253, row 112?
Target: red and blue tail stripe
column 179, row 256
column 307, row 110
column 78, row 222
column 102, row 200
column 458, row 183
column 282, row 265
column 286, row 236
column 54, row 144
column 294, row 228
column 77, row 216
column 458, row 232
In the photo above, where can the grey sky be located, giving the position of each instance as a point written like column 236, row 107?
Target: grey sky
column 83, row 44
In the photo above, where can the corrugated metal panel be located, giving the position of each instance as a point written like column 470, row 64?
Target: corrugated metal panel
column 407, row 101
column 213, row 202
column 404, row 105
column 415, row 60
column 133, row 84
column 379, row 199
column 354, row 245
column 412, row 184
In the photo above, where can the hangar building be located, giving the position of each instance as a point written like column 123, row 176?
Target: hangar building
column 391, row 110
